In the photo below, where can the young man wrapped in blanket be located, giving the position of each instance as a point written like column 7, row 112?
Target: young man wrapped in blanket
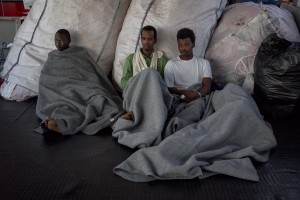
column 74, row 93
column 205, row 133
column 155, row 108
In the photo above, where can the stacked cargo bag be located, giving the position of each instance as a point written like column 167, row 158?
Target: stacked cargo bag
column 94, row 25
column 277, row 77
column 167, row 16
column 239, row 33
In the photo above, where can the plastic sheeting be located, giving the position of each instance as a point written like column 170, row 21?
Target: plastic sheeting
column 277, row 72
column 238, row 36
column 94, row 25
column 167, row 16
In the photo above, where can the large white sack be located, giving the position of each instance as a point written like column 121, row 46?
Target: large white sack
column 236, row 40
column 28, row 3
column 94, row 25
column 167, row 16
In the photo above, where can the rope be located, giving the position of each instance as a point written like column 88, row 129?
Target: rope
column 142, row 25
column 18, row 59
column 106, row 40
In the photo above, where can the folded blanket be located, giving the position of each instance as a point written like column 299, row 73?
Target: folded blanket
column 230, row 134
column 76, row 93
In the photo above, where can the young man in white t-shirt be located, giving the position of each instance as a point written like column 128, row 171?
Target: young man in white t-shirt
column 186, row 70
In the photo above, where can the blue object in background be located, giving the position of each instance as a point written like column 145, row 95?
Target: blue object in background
column 274, row 2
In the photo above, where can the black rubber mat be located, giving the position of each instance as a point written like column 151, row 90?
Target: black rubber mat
column 51, row 166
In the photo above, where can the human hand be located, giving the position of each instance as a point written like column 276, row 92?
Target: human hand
column 128, row 116
column 190, row 95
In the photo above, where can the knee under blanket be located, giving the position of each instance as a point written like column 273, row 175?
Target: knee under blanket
column 76, row 93
column 155, row 110
column 148, row 98
column 230, row 134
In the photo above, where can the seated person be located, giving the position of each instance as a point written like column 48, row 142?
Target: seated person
column 145, row 57
column 74, row 93
column 156, row 113
column 186, row 69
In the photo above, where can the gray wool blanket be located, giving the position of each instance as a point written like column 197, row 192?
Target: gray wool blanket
column 157, row 113
column 221, row 134
column 76, row 93
column 148, row 98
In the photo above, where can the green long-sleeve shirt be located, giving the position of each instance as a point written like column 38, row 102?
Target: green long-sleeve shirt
column 128, row 67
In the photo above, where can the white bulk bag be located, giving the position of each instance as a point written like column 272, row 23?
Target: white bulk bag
column 167, row 16
column 236, row 40
column 94, row 25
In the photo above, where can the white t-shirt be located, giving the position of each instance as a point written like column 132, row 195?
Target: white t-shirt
column 185, row 73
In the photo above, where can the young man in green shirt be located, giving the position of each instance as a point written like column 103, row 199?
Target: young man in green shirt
column 145, row 57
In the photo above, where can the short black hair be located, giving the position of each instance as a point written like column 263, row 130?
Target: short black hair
column 64, row 32
column 186, row 33
column 150, row 28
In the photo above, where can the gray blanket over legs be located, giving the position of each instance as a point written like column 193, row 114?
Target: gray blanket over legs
column 230, row 134
column 147, row 96
column 157, row 113
column 76, row 93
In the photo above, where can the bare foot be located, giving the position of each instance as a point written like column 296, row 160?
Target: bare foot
column 51, row 124
column 128, row 116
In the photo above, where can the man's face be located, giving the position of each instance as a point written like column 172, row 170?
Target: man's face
column 148, row 41
column 61, row 42
column 185, row 46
